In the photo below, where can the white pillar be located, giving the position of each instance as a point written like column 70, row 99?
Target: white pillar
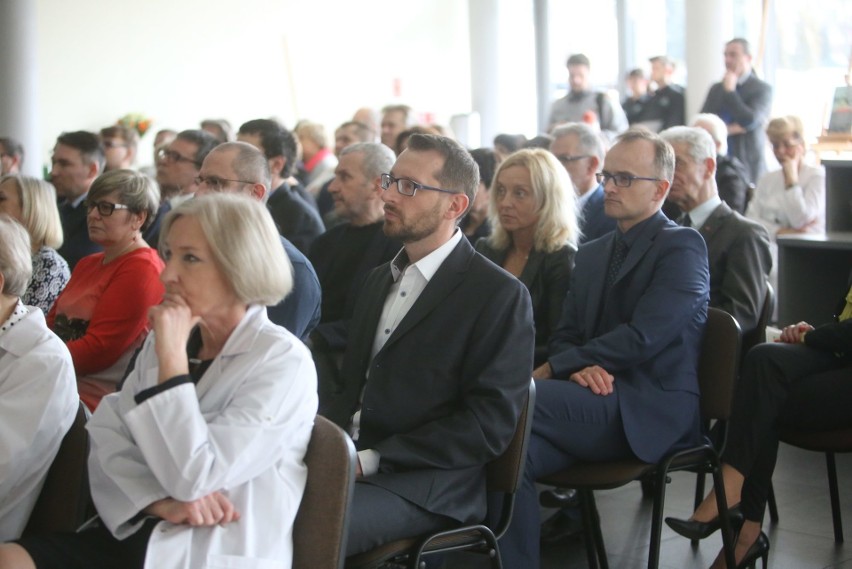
column 19, row 117
column 485, row 72
column 709, row 24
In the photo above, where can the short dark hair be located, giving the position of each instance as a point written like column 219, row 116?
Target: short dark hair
column 276, row 141
column 636, row 73
column 128, row 135
column 87, row 143
column 460, row 171
column 743, row 43
column 486, row 159
column 578, row 59
column 12, row 147
column 510, row 142
column 200, row 138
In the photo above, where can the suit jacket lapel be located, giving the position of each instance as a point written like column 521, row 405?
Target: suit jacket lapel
column 715, row 221
column 594, row 305
column 640, row 246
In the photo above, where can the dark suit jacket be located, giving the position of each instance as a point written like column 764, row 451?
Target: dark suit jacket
column 732, row 181
column 835, row 337
column 296, row 220
column 299, row 312
column 546, row 276
column 594, row 222
column 749, row 106
column 445, row 391
column 646, row 332
column 739, row 258
column 323, row 254
column 76, row 243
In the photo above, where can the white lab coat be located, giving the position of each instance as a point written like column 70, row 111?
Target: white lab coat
column 243, row 430
column 38, row 403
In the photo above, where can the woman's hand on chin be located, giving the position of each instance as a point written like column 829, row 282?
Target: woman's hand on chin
column 172, row 321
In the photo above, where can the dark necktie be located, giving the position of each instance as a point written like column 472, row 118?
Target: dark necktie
column 619, row 253
column 685, row 220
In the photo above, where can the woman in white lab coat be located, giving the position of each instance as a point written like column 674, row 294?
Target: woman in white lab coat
column 38, row 394
column 198, row 460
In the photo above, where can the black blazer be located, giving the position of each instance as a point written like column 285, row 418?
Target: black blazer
column 446, row 389
column 76, row 243
column 295, row 219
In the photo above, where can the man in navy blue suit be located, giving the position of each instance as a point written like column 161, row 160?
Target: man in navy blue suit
column 621, row 380
column 581, row 151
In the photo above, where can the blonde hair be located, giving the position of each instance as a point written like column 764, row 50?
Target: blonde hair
column 16, row 263
column 554, row 197
column 245, row 244
column 39, row 213
column 780, row 127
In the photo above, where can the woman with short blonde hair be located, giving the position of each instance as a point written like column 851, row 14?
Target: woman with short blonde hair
column 32, row 202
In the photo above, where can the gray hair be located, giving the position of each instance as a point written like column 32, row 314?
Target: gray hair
column 698, row 140
column 664, row 156
column 249, row 164
column 16, row 263
column 717, row 128
column 590, row 141
column 137, row 191
column 245, row 245
column 377, row 158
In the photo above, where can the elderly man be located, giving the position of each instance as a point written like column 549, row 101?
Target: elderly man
column 744, row 102
column 430, row 396
column 737, row 248
column 731, row 174
column 239, row 167
column 347, row 134
column 11, row 156
column 582, row 99
column 297, row 219
column 581, row 151
column 621, row 380
column 78, row 158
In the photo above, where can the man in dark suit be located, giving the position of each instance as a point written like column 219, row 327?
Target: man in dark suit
column 240, row 168
column 581, row 151
column 438, row 360
column 743, row 101
column 297, row 220
column 737, row 247
column 78, row 158
column 621, row 380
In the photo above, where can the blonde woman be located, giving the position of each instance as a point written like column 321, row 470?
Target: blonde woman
column 32, row 203
column 535, row 231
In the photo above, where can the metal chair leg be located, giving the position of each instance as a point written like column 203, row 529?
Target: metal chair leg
column 834, row 492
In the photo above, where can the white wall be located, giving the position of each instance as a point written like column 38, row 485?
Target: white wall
column 180, row 61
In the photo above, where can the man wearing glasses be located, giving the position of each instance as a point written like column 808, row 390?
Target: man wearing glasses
column 581, row 151
column 621, row 380
column 179, row 162
column 438, row 360
column 78, row 158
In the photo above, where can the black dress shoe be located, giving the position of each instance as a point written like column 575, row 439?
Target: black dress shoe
column 693, row 529
column 559, row 498
column 561, row 525
column 758, row 550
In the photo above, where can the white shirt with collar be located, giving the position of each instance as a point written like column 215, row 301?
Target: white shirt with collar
column 409, row 282
column 698, row 215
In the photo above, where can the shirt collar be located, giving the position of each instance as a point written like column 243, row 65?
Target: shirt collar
column 743, row 78
column 699, row 214
column 429, row 264
column 78, row 200
column 18, row 314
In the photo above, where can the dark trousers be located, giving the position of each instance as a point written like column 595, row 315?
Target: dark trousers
column 570, row 424
column 782, row 386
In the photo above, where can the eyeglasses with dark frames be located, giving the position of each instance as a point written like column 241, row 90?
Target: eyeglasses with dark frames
column 621, row 180
column 173, row 156
column 216, row 183
column 408, row 187
column 106, row 209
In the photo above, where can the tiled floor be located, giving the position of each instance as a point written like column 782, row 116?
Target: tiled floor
column 803, row 538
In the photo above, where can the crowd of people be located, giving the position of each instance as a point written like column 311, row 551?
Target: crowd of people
column 407, row 288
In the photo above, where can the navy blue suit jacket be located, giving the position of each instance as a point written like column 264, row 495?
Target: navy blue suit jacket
column 299, row 312
column 594, row 222
column 76, row 243
column 646, row 332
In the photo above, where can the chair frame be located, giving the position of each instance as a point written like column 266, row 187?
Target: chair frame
column 717, row 372
column 326, row 502
column 504, row 474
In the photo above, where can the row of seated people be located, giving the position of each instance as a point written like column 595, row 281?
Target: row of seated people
column 510, row 189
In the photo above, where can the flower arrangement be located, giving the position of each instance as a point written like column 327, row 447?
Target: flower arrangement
column 140, row 123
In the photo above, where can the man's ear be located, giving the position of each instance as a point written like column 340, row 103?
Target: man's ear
column 594, row 164
column 258, row 191
column 458, row 205
column 94, row 169
column 662, row 189
column 709, row 167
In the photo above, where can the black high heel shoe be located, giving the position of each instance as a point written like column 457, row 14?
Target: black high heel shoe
column 759, row 549
column 693, row 529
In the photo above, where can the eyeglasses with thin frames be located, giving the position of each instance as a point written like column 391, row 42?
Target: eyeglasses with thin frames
column 408, row 187
column 106, row 209
column 173, row 156
column 621, row 180
column 216, row 183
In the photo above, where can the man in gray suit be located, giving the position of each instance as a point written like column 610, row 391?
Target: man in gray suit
column 743, row 101
column 737, row 247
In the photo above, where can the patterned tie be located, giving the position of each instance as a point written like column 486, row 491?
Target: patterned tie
column 619, row 253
